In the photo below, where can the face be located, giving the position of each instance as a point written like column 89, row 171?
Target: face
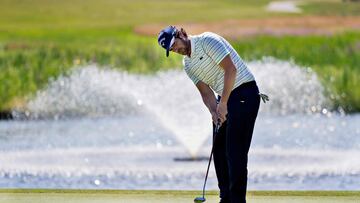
column 181, row 44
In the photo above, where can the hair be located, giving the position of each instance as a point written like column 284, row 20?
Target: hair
column 181, row 30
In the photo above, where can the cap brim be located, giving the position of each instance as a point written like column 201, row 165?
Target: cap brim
column 168, row 48
column 167, row 52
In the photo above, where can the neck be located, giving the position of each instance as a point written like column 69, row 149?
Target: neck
column 188, row 51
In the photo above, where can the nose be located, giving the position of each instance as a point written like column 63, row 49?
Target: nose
column 173, row 47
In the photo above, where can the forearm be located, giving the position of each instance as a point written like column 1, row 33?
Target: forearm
column 229, row 80
column 210, row 102
column 208, row 96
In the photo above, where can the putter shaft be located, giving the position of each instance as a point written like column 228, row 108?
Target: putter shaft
column 202, row 199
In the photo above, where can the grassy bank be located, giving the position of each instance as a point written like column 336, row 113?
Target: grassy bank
column 107, row 196
column 42, row 39
column 335, row 59
column 27, row 65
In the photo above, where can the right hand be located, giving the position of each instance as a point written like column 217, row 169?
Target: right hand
column 221, row 110
column 215, row 117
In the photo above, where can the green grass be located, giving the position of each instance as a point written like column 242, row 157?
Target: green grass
column 42, row 39
column 107, row 196
column 24, row 14
column 332, row 8
column 26, row 66
column 335, row 59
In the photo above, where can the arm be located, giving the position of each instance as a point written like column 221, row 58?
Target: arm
column 229, row 80
column 208, row 98
column 216, row 49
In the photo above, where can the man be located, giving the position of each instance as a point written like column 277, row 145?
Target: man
column 214, row 66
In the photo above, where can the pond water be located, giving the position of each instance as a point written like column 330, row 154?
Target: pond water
column 101, row 128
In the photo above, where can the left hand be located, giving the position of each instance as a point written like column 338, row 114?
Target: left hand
column 221, row 110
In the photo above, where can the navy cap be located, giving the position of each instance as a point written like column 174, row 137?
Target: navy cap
column 166, row 38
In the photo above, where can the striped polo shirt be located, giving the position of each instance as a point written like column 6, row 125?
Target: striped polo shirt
column 207, row 51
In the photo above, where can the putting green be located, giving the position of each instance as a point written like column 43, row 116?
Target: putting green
column 112, row 196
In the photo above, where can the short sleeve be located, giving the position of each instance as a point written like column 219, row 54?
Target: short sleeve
column 189, row 72
column 215, row 48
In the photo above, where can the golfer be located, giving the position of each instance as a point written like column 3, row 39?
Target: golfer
column 214, row 66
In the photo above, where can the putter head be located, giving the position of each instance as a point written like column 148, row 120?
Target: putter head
column 199, row 199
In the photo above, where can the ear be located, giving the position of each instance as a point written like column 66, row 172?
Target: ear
column 183, row 32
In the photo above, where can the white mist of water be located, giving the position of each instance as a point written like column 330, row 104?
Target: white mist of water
column 292, row 89
column 284, row 6
column 103, row 128
column 170, row 97
column 89, row 91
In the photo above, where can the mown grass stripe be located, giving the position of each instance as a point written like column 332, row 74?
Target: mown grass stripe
column 186, row 192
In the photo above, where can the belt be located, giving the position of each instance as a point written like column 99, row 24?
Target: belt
column 264, row 97
column 242, row 86
column 247, row 84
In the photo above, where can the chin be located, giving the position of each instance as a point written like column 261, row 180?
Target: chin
column 182, row 52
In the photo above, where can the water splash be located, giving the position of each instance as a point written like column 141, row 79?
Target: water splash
column 292, row 89
column 93, row 91
column 170, row 97
column 141, row 120
column 87, row 92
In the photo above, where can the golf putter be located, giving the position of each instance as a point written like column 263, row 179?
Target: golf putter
column 202, row 199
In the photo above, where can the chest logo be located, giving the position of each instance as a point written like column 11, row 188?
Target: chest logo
column 201, row 57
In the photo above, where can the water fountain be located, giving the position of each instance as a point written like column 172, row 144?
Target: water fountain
column 103, row 128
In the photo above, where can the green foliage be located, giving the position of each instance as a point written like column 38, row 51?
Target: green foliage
column 335, row 59
column 41, row 39
column 27, row 66
column 65, row 14
column 332, row 8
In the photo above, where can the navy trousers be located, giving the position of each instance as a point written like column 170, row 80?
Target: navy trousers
column 232, row 143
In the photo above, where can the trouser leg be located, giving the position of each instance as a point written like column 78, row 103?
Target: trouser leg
column 240, row 125
column 220, row 162
column 237, row 150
